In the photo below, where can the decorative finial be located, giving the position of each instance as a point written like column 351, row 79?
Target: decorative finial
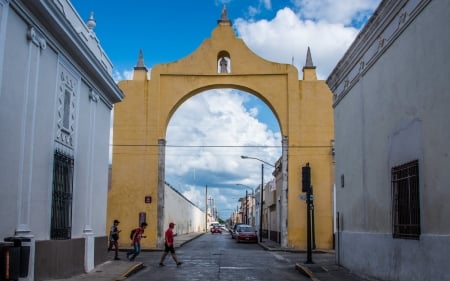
column 91, row 24
column 309, row 70
column 224, row 20
column 309, row 63
column 140, row 63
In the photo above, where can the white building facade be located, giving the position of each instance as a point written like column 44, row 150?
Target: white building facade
column 56, row 97
column 392, row 134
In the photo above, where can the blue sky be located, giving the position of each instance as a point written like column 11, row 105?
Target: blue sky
column 209, row 132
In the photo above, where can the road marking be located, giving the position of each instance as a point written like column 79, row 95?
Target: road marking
column 279, row 257
column 235, row 267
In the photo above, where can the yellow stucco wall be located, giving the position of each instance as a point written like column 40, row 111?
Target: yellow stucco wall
column 311, row 144
column 303, row 109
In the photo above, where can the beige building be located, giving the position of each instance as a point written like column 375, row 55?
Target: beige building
column 391, row 112
column 303, row 109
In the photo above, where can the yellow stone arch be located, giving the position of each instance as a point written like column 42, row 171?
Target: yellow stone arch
column 303, row 109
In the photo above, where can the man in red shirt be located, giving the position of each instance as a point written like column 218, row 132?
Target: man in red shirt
column 168, row 245
column 137, row 242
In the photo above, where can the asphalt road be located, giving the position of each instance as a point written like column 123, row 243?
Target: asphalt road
column 218, row 257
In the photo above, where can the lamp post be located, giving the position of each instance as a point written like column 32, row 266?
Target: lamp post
column 261, row 191
column 246, row 202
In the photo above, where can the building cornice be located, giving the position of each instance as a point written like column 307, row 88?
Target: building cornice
column 389, row 20
column 64, row 30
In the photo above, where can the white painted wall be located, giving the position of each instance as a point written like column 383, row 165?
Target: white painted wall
column 186, row 216
column 32, row 65
column 394, row 112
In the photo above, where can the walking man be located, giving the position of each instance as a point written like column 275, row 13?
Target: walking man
column 137, row 242
column 114, row 238
column 168, row 245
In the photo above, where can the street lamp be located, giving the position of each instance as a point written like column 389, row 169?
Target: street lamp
column 246, row 201
column 254, row 158
column 261, row 191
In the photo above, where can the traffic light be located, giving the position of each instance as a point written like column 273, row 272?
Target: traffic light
column 306, row 178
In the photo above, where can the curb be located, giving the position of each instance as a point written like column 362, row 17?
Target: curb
column 278, row 249
column 132, row 270
column 193, row 238
column 305, row 271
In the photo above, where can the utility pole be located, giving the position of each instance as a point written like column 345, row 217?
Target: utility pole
column 246, row 206
column 261, row 204
column 206, row 208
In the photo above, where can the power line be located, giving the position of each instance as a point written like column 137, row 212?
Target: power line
column 222, row 146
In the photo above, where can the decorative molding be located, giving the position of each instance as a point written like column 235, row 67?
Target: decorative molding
column 36, row 37
column 389, row 20
column 4, row 9
column 66, row 107
column 93, row 96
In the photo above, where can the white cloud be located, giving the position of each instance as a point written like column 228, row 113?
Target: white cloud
column 256, row 10
column 215, row 118
column 218, row 129
column 267, row 4
column 287, row 36
column 124, row 75
column 345, row 12
column 195, row 195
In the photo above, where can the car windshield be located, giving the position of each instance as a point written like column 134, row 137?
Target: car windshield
column 246, row 229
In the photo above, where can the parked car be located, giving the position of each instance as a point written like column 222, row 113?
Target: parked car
column 233, row 230
column 216, row 229
column 246, row 233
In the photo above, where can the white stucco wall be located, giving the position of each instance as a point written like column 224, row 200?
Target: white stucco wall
column 396, row 111
column 186, row 216
column 34, row 64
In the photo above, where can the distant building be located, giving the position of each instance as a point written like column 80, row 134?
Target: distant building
column 271, row 206
column 56, row 96
column 391, row 112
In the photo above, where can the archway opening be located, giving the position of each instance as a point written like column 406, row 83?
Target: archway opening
column 205, row 139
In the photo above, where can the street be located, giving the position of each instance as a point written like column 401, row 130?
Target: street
column 218, row 257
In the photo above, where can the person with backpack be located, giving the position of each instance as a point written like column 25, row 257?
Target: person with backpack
column 135, row 236
column 114, row 238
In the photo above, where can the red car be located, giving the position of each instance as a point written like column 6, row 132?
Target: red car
column 216, row 229
column 246, row 233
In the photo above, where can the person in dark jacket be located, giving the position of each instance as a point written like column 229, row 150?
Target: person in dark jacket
column 114, row 238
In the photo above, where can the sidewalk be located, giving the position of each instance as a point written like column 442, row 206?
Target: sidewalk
column 120, row 270
column 324, row 267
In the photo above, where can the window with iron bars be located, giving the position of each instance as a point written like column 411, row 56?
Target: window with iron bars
column 61, row 221
column 406, row 201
